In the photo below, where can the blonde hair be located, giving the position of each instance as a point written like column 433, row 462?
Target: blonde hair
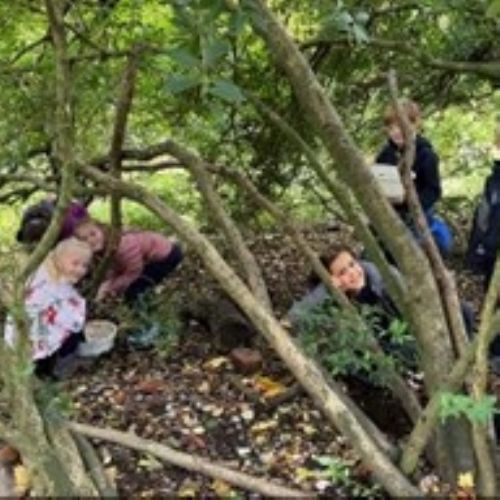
column 410, row 108
column 69, row 245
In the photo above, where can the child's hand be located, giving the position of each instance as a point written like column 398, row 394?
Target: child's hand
column 102, row 292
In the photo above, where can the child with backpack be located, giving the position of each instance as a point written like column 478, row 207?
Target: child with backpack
column 484, row 238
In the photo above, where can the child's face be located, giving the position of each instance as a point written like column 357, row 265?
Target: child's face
column 91, row 234
column 347, row 274
column 73, row 266
column 395, row 133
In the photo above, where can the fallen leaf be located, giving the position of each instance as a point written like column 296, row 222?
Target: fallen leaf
column 151, row 386
column 188, row 489
column 264, row 425
column 119, row 397
column 466, row 480
column 216, row 363
column 149, row 462
column 221, row 488
column 268, row 387
column 9, row 455
column 302, row 474
column 111, row 474
column 22, row 480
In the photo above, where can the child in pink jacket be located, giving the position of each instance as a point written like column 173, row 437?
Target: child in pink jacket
column 142, row 259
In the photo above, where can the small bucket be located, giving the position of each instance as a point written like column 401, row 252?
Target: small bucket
column 99, row 338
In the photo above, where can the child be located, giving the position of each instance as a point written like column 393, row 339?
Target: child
column 363, row 285
column 360, row 280
column 426, row 164
column 36, row 220
column 55, row 308
column 425, row 170
column 484, row 239
column 142, row 259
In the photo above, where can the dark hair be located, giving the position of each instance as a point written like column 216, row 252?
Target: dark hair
column 35, row 221
column 327, row 259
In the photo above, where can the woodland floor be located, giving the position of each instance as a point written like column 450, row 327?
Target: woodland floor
column 188, row 399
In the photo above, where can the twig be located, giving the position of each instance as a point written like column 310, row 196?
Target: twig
column 189, row 462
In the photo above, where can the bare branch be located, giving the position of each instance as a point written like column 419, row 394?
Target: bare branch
column 187, row 461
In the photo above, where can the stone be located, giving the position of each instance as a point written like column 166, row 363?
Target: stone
column 9, row 455
column 246, row 360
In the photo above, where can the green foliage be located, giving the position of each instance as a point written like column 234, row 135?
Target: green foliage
column 338, row 472
column 341, row 343
column 456, row 405
column 341, row 20
column 494, row 9
column 199, row 62
column 155, row 322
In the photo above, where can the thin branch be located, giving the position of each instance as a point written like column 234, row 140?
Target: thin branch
column 214, row 203
column 153, row 167
column 489, row 69
column 343, row 195
column 187, row 461
column 444, row 280
column 123, row 107
column 28, row 48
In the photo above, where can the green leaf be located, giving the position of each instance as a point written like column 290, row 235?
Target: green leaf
column 481, row 411
column 227, row 91
column 178, row 83
column 360, row 34
column 214, row 50
column 237, row 22
column 184, row 57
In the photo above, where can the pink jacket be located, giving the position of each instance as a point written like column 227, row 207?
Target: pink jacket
column 135, row 250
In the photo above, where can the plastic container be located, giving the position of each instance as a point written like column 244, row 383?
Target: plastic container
column 390, row 181
column 99, row 338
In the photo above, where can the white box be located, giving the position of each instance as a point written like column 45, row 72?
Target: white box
column 390, row 181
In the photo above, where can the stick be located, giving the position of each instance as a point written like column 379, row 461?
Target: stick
column 189, row 462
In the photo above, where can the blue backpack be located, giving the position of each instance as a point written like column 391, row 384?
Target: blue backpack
column 441, row 232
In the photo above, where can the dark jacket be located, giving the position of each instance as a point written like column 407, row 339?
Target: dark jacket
column 484, row 238
column 425, row 167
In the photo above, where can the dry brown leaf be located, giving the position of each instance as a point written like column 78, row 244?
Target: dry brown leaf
column 151, row 386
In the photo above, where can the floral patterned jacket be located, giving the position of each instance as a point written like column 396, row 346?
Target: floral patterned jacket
column 56, row 310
